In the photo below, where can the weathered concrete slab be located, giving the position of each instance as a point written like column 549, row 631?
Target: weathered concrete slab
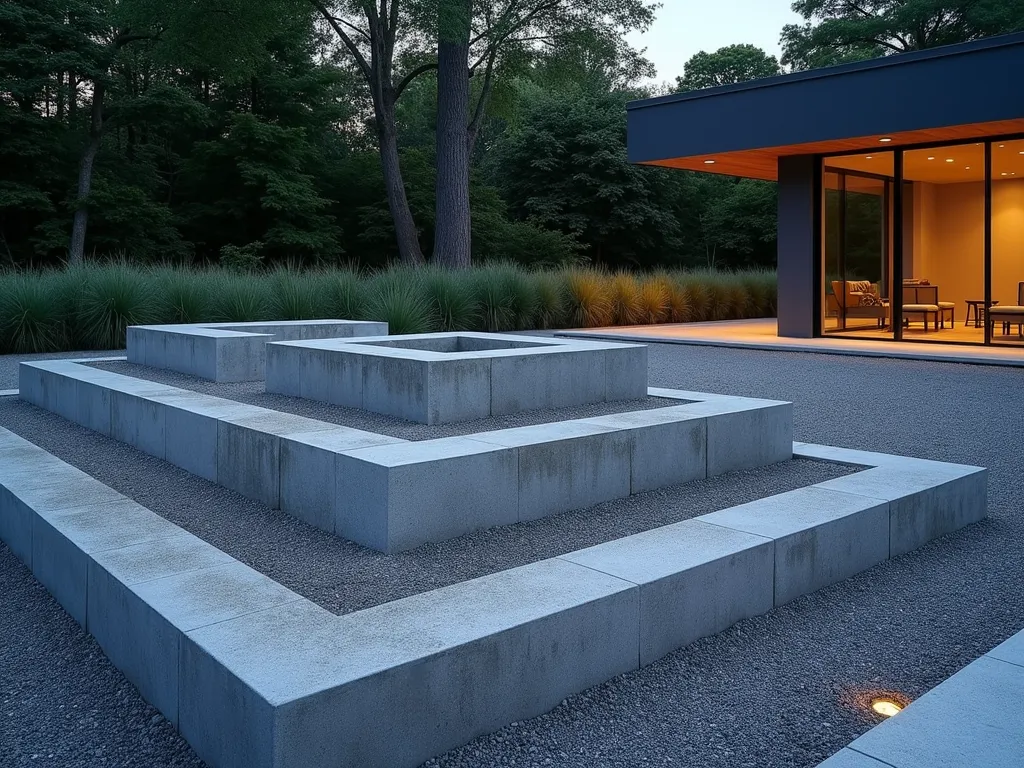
column 396, row 497
column 695, row 580
column 821, row 536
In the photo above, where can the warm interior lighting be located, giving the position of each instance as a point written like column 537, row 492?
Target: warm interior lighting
column 932, row 157
column 886, row 140
column 949, row 159
column 709, row 162
column 967, row 167
column 868, row 157
column 886, row 707
column 1001, row 146
column 1003, row 173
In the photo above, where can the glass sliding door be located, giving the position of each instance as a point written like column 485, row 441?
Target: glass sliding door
column 857, row 245
column 1006, row 287
column 943, row 248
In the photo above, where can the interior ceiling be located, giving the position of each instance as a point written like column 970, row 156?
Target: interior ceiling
column 941, row 165
column 763, row 163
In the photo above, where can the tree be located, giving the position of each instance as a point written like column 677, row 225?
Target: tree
column 502, row 37
column 842, row 30
column 728, row 65
column 452, row 228
column 374, row 37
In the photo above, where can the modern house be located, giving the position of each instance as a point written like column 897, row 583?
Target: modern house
column 901, row 187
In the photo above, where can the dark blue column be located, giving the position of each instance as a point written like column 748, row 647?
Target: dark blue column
column 799, row 210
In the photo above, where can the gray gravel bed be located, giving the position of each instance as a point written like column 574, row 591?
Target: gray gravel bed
column 342, row 576
column 253, row 393
column 9, row 363
column 62, row 703
column 785, row 689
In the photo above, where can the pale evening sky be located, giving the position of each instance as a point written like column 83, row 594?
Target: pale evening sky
column 684, row 27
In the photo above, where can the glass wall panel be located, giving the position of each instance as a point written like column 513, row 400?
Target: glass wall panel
column 1007, row 316
column 857, row 245
column 944, row 243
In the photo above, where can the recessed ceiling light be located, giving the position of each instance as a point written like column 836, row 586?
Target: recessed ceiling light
column 868, row 157
column 1003, row 173
column 949, row 159
column 1001, row 146
column 931, row 158
column 709, row 162
column 885, row 140
column 886, row 707
column 967, row 168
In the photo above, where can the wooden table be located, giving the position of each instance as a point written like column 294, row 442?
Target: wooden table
column 979, row 312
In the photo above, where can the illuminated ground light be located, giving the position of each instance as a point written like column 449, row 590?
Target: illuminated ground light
column 886, row 706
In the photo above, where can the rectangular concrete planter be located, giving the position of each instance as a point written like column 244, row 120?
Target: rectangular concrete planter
column 440, row 378
column 255, row 676
column 227, row 352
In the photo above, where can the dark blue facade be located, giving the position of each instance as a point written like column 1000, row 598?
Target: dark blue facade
column 955, row 85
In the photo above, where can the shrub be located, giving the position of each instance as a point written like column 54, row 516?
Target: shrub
column 184, row 296
column 345, row 295
column 551, row 290
column 451, row 299
column 698, row 297
column 625, row 294
column 245, row 258
column 241, row 298
column 396, row 298
column 653, row 300
column 507, row 297
column 297, row 295
column 113, row 297
column 31, row 319
column 590, row 302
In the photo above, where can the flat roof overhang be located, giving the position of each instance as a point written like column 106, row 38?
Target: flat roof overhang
column 956, row 92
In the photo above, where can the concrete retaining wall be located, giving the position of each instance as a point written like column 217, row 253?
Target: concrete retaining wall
column 393, row 495
column 256, row 676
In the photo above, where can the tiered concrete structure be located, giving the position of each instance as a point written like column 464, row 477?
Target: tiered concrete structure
column 255, row 676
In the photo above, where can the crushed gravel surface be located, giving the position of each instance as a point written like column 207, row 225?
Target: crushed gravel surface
column 785, row 689
column 253, row 393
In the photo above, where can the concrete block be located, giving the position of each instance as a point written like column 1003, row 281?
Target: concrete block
column 93, row 405
column 16, row 526
column 548, row 378
column 62, row 541
column 821, row 536
column 187, row 353
column 309, row 471
column 695, row 580
column 925, row 500
column 396, row 497
column 249, row 451
column 191, row 427
column 566, row 465
column 475, row 656
column 669, row 445
column 138, row 421
column 395, row 386
column 140, row 622
column 31, row 384
column 242, row 358
column 972, row 719
column 457, row 390
column 625, row 372
column 743, row 434
column 287, row 372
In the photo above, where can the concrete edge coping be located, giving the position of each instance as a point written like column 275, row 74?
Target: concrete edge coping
column 8, row 393
column 444, row 610
column 983, row 697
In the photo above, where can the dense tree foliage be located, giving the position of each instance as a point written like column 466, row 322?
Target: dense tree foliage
column 731, row 64
column 348, row 131
column 840, row 30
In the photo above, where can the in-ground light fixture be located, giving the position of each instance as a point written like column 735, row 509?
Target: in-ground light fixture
column 886, row 706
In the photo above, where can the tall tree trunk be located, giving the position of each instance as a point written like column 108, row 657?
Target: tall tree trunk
column 76, row 251
column 398, row 203
column 452, row 232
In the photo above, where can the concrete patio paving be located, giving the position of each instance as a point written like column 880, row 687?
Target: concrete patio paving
column 763, row 334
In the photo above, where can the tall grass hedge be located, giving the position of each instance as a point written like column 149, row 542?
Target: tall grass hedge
column 90, row 307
